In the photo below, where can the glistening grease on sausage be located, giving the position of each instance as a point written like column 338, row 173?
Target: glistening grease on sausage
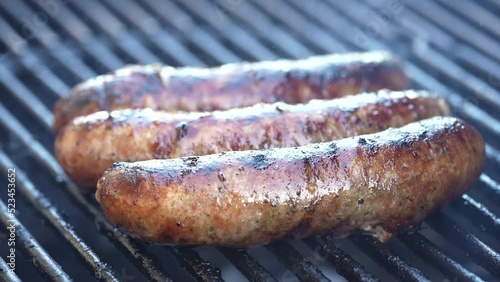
column 233, row 85
column 381, row 183
column 90, row 145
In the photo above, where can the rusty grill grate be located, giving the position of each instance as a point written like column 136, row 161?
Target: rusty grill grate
column 48, row 46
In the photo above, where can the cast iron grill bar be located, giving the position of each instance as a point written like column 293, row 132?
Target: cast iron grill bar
column 231, row 30
column 144, row 260
column 195, row 265
column 247, row 265
column 479, row 252
column 295, row 262
column 457, row 27
column 475, row 211
column 388, row 259
column 51, row 41
column 43, row 205
column 431, row 253
column 343, row 262
column 447, row 66
column 261, row 24
column 468, row 81
column 213, row 45
column 196, row 35
column 47, row 267
column 477, row 14
column 307, row 30
column 26, row 97
column 494, row 186
column 30, row 61
column 72, row 25
column 6, row 274
column 109, row 23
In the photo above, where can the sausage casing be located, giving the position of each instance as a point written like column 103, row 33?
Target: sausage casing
column 380, row 183
column 232, row 85
column 90, row 145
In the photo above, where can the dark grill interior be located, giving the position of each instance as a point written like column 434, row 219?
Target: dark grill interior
column 451, row 47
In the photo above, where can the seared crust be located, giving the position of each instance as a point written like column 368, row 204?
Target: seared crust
column 233, row 85
column 382, row 183
column 90, row 145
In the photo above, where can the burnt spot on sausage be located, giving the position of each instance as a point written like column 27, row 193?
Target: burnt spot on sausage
column 260, row 162
column 181, row 130
column 191, row 161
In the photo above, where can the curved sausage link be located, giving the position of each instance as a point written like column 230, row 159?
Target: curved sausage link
column 233, row 85
column 380, row 183
column 90, row 145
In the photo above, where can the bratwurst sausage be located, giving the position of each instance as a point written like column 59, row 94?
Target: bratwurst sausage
column 90, row 145
column 381, row 183
column 233, row 85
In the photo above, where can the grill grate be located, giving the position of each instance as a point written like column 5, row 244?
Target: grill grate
column 85, row 38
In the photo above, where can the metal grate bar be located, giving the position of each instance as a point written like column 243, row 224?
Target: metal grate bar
column 478, row 213
column 28, row 59
column 195, row 265
column 454, row 72
column 6, row 274
column 49, row 40
column 431, row 253
column 231, row 30
column 110, row 24
column 457, row 27
column 247, row 265
column 306, row 29
column 343, row 262
column 146, row 261
column 494, row 186
column 44, row 35
column 477, row 60
column 26, row 97
column 68, row 21
column 213, row 46
column 43, row 205
column 300, row 266
column 267, row 29
column 388, row 259
column 29, row 245
column 479, row 252
column 83, row 35
column 479, row 15
column 184, row 24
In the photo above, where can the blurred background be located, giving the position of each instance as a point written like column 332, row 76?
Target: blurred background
column 47, row 46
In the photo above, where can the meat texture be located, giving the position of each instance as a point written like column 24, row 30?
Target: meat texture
column 380, row 183
column 232, row 85
column 90, row 145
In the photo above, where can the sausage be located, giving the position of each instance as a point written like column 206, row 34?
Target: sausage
column 232, row 85
column 90, row 145
column 382, row 183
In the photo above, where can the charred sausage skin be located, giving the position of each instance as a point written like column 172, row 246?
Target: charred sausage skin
column 90, row 145
column 381, row 183
column 232, row 85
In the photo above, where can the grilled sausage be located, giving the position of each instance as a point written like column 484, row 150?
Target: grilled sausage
column 233, row 85
column 91, row 144
column 381, row 183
